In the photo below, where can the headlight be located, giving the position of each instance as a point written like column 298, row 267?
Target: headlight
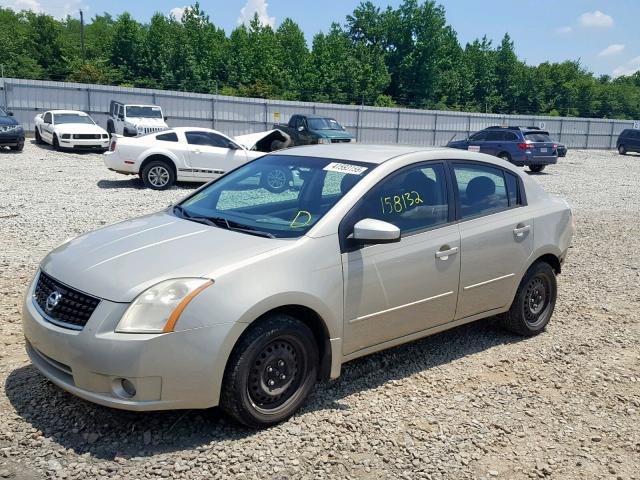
column 11, row 128
column 157, row 309
column 324, row 141
column 65, row 135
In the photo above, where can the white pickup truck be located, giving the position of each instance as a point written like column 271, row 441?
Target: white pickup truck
column 133, row 120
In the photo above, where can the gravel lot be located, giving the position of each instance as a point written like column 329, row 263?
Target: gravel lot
column 469, row 403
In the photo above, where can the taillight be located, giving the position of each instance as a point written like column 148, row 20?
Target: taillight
column 555, row 146
column 112, row 147
column 524, row 146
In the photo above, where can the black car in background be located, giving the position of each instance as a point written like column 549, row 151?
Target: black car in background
column 11, row 132
column 628, row 141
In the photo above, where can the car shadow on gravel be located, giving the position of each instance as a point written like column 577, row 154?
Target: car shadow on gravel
column 106, row 433
column 136, row 183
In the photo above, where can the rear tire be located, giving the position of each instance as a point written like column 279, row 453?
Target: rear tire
column 622, row 150
column 158, row 175
column 534, row 303
column 270, row 372
column 536, row 168
column 505, row 156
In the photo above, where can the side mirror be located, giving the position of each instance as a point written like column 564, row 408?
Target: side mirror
column 301, row 128
column 371, row 230
column 233, row 146
column 165, row 118
column 121, row 116
column 10, row 114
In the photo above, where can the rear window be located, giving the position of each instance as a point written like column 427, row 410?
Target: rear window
column 537, row 137
column 168, row 137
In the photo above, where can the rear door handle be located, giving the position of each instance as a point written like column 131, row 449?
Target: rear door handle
column 520, row 230
column 445, row 254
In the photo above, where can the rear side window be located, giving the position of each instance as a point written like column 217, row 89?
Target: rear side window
column 510, row 136
column 482, row 189
column 513, row 191
column 167, row 137
column 206, row 139
column 537, row 137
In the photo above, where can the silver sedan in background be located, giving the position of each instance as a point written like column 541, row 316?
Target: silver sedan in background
column 244, row 297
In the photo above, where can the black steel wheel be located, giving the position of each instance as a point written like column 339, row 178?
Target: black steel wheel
column 271, row 372
column 534, row 303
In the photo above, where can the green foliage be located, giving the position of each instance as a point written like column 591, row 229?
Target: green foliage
column 406, row 56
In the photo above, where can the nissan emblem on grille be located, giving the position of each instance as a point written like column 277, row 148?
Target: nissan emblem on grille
column 53, row 300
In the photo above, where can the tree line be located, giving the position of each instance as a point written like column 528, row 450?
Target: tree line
column 399, row 57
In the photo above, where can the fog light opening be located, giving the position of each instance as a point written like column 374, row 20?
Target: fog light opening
column 128, row 388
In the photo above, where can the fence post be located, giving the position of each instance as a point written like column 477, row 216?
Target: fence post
column 88, row 100
column 398, row 128
column 468, row 126
column 4, row 88
column 613, row 129
column 435, row 130
column 213, row 112
column 358, row 124
column 586, row 146
column 266, row 115
column 561, row 128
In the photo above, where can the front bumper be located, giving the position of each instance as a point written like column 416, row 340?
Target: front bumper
column 11, row 139
column 169, row 371
column 84, row 144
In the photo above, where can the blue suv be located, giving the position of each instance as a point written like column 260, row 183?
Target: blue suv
column 522, row 146
column 628, row 141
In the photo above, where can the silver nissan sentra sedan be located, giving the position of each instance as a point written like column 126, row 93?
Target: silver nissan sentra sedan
column 243, row 296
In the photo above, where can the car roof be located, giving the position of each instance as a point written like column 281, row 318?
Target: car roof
column 527, row 129
column 194, row 129
column 359, row 152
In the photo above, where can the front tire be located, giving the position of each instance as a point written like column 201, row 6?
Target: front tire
column 56, row 143
column 17, row 148
column 158, row 175
column 536, row 168
column 622, row 150
column 38, row 137
column 534, row 303
column 271, row 372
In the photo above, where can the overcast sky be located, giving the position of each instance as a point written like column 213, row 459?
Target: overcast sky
column 603, row 34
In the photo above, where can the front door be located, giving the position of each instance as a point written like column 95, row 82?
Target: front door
column 394, row 290
column 476, row 142
column 496, row 234
column 210, row 155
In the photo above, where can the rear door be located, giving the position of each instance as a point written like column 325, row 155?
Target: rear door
column 496, row 235
column 210, row 155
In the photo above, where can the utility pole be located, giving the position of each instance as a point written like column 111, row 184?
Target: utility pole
column 82, row 35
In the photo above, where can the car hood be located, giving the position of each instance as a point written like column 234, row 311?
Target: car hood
column 8, row 121
column 146, row 122
column 78, row 128
column 457, row 143
column 332, row 134
column 120, row 261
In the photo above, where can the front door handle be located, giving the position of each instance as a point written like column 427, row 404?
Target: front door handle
column 445, row 252
column 521, row 229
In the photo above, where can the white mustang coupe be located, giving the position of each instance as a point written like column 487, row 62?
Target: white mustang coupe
column 192, row 154
column 70, row 129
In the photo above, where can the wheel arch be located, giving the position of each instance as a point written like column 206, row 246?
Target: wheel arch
column 312, row 319
column 150, row 157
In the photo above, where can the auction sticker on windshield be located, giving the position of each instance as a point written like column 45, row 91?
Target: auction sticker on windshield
column 345, row 168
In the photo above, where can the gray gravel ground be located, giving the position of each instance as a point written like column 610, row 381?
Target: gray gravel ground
column 470, row 403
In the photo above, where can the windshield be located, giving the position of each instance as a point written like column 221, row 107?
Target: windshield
column 60, row 118
column 144, row 112
column 279, row 196
column 323, row 124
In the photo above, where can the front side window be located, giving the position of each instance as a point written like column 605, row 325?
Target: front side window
column 477, row 137
column 495, row 136
column 47, row 118
column 277, row 195
column 481, row 189
column 62, row 118
column 413, row 199
column 207, row 139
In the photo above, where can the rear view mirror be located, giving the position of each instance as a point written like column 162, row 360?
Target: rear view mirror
column 166, row 118
column 300, row 128
column 371, row 230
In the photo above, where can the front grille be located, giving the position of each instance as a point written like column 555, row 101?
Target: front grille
column 72, row 308
column 340, row 140
column 86, row 136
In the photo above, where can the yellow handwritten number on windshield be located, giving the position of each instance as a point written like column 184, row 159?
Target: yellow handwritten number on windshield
column 400, row 203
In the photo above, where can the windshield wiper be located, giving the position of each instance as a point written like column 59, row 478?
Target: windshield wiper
column 222, row 222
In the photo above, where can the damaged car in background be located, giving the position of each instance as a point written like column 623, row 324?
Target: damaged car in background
column 192, row 154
